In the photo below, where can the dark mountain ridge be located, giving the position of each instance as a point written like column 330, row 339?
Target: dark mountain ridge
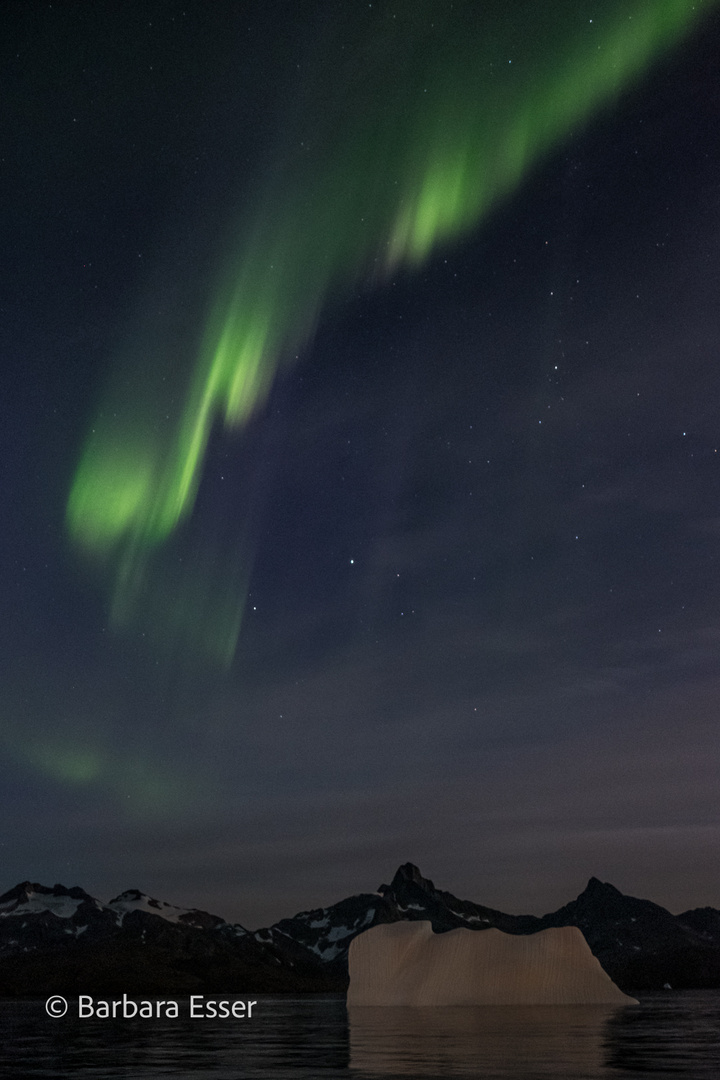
column 60, row 940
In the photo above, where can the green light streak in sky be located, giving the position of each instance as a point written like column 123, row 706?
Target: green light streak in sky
column 88, row 763
column 413, row 122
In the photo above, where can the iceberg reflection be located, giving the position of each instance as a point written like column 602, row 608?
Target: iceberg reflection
column 492, row 1041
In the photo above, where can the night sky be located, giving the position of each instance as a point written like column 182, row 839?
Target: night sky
column 447, row 588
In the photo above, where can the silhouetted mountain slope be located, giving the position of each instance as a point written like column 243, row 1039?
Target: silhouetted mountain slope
column 63, row 940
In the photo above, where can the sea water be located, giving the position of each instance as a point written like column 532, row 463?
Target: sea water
column 674, row 1033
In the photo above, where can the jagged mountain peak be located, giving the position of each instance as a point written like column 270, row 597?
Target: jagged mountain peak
column 135, row 898
column 601, row 907
column 406, row 874
column 132, row 894
column 25, row 889
column 599, row 895
column 32, row 898
column 595, row 887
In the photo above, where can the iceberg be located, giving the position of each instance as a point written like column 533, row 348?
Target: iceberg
column 407, row 964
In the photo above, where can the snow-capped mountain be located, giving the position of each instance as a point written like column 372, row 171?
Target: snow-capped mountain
column 29, row 898
column 639, row 943
column 64, row 940
column 134, row 900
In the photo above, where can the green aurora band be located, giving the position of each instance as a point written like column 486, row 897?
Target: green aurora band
column 414, row 121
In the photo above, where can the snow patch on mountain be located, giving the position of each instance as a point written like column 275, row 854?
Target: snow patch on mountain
column 134, row 900
column 335, row 941
column 469, row 918
column 64, row 907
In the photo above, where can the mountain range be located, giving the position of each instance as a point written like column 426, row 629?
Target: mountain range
column 60, row 940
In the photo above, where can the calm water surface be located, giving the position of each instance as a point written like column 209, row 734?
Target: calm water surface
column 676, row 1034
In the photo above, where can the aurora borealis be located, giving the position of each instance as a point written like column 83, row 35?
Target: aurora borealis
column 412, row 122
column 359, row 445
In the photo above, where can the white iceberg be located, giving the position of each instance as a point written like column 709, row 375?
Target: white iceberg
column 405, row 963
